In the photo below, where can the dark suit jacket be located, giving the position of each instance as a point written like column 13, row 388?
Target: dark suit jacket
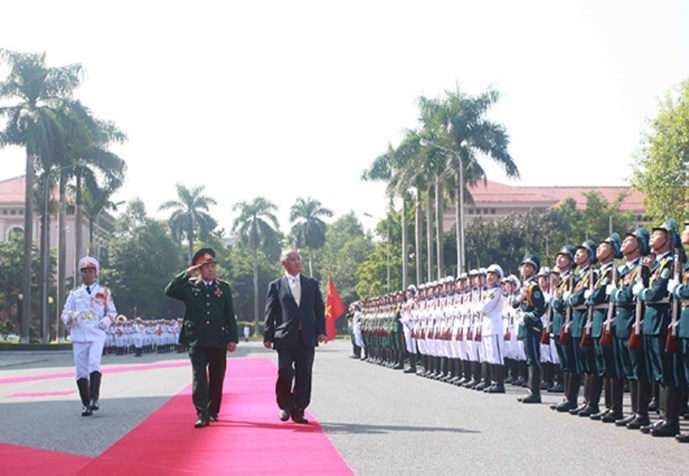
column 282, row 316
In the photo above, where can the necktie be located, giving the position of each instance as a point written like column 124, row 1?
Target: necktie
column 88, row 289
column 296, row 290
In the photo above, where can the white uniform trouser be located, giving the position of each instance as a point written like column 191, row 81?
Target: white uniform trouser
column 87, row 356
column 493, row 349
column 409, row 340
column 358, row 339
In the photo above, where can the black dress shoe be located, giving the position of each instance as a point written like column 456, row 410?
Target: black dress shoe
column 94, row 405
column 284, row 415
column 213, row 417
column 601, row 414
column 625, row 421
column 299, row 418
column 612, row 416
column 565, row 406
column 532, row 398
column 556, row 389
column 589, row 410
column 201, row 422
column 646, row 429
column 665, row 429
column 580, row 408
column 86, row 411
column 682, row 437
column 638, row 422
column 496, row 389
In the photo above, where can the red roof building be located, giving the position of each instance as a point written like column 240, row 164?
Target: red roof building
column 493, row 201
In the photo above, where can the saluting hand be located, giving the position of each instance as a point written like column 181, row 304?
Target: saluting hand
column 192, row 270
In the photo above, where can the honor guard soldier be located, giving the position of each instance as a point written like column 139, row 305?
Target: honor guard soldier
column 492, row 331
column 662, row 363
column 561, row 315
column 628, row 317
column 532, row 306
column 88, row 313
column 680, row 291
column 407, row 320
column 601, row 331
column 209, row 330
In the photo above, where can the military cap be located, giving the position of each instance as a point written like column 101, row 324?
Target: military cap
column 544, row 271
column 531, row 259
column 644, row 236
column 89, row 262
column 203, row 256
column 495, row 268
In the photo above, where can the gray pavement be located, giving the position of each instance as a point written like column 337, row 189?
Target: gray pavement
column 381, row 421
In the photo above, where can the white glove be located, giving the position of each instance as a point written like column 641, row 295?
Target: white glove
column 104, row 323
column 637, row 288
column 566, row 295
column 587, row 293
column 608, row 289
column 671, row 285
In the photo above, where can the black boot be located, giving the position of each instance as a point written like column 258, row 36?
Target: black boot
column 558, row 385
column 486, row 380
column 571, row 392
column 672, row 404
column 499, row 375
column 595, row 390
column 587, row 389
column 634, row 396
column 83, row 386
column 616, row 397
column 95, row 378
column 534, row 386
column 642, row 419
column 412, row 364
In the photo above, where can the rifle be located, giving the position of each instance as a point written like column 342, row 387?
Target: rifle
column 606, row 337
column 672, row 342
column 510, row 321
column 566, row 334
column 545, row 335
column 479, row 321
column 586, row 334
column 635, row 337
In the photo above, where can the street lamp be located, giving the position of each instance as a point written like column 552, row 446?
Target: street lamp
column 385, row 222
column 460, row 218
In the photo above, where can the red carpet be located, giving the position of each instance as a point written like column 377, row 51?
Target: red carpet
column 248, row 439
column 30, row 461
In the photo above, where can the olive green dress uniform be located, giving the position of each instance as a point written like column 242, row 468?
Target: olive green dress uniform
column 208, row 327
column 682, row 292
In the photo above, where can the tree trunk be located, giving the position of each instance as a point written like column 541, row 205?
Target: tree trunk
column 254, row 249
column 458, row 228
column 190, row 240
column 61, row 251
column 405, row 255
column 439, row 225
column 28, row 239
column 429, row 234
column 417, row 237
column 310, row 261
column 79, row 242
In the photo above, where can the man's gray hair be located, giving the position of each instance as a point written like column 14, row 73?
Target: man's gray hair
column 286, row 253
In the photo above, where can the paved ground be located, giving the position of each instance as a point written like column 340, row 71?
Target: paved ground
column 381, row 421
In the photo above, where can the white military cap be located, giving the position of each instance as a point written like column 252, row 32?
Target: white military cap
column 89, row 262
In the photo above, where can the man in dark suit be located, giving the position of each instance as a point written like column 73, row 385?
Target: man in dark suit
column 294, row 325
column 209, row 330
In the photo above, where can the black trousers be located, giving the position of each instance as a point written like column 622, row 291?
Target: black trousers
column 293, row 387
column 208, row 366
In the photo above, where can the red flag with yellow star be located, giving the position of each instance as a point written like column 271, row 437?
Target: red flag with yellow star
column 333, row 309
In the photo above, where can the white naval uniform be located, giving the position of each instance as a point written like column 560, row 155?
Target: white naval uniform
column 492, row 335
column 88, row 317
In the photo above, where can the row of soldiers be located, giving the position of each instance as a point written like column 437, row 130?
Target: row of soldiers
column 140, row 336
column 603, row 328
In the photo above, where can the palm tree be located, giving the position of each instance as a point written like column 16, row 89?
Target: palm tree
column 95, row 202
column 190, row 215
column 256, row 225
column 308, row 228
column 33, row 123
column 459, row 126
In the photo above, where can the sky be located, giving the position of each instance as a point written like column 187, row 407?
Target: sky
column 296, row 99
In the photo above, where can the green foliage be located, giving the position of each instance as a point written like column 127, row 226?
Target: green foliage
column 142, row 259
column 661, row 168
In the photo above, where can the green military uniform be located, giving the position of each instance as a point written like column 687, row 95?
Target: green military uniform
column 208, row 327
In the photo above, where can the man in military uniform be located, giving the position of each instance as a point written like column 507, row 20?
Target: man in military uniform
column 662, row 364
column 88, row 313
column 680, row 290
column 532, row 305
column 209, row 330
column 628, row 311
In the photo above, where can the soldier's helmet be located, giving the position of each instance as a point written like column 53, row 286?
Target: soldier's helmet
column 672, row 230
column 616, row 243
column 569, row 251
column 514, row 280
column 590, row 247
column 531, row 259
column 496, row 269
column 544, row 272
column 644, row 237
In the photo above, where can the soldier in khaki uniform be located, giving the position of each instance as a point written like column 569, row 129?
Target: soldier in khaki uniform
column 209, row 330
